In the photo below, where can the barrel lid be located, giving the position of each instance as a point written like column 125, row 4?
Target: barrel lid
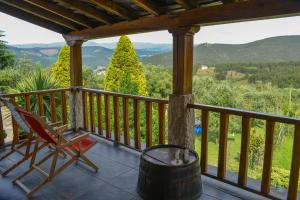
column 169, row 155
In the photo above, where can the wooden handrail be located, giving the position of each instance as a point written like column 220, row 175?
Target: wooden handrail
column 143, row 98
column 250, row 114
column 35, row 92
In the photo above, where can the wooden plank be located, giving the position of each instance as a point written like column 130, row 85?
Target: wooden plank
column 126, row 121
column 107, row 116
column 203, row 16
column 148, row 123
column 204, row 140
column 148, row 6
column 294, row 172
column 112, row 7
column 187, row 4
column 84, row 108
column 92, row 112
column 161, row 123
column 99, row 113
column 44, row 14
column 224, row 120
column 27, row 103
column 267, row 166
column 40, row 105
column 88, row 11
column 53, row 107
column 33, row 19
column 64, row 107
column 137, row 132
column 62, row 12
column 116, row 119
column 245, row 140
column 14, row 126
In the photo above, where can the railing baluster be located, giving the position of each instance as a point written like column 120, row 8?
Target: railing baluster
column 126, row 121
column 1, row 128
column 243, row 166
column 64, row 107
column 224, row 119
column 137, row 133
column 41, row 105
column 294, row 172
column 148, row 123
column 116, row 119
column 27, row 102
column 267, row 166
column 92, row 112
column 107, row 116
column 14, row 126
column 53, row 106
column 99, row 113
column 204, row 140
column 161, row 123
column 84, row 107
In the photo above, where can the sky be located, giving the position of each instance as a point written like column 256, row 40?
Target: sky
column 21, row 32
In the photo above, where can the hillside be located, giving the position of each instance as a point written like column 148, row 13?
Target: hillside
column 93, row 56
column 276, row 49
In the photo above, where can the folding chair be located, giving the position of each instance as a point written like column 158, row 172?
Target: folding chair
column 74, row 148
column 16, row 145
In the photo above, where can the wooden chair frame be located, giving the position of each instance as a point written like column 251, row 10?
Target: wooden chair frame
column 17, row 145
column 62, row 146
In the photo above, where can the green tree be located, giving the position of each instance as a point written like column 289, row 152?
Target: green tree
column 6, row 57
column 39, row 80
column 91, row 79
column 256, row 149
column 124, row 60
column 61, row 69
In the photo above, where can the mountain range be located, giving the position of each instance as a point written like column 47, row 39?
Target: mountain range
column 275, row 49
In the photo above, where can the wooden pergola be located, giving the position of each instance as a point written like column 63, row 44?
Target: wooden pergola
column 82, row 20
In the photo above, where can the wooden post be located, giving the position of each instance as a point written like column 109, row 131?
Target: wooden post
column 76, row 110
column 181, row 119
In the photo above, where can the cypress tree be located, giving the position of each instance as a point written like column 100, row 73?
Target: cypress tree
column 125, row 65
column 61, row 69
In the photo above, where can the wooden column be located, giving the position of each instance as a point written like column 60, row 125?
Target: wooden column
column 1, row 128
column 76, row 110
column 181, row 119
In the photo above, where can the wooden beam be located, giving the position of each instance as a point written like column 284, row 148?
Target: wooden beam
column 33, row 19
column 183, row 45
column 76, row 62
column 220, row 14
column 148, row 6
column 112, row 7
column 29, row 8
column 187, row 4
column 61, row 11
column 88, row 11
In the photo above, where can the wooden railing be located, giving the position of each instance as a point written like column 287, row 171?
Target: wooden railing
column 132, row 121
column 103, row 108
column 50, row 103
column 246, row 117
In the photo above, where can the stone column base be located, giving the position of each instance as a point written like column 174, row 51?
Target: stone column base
column 76, row 109
column 181, row 121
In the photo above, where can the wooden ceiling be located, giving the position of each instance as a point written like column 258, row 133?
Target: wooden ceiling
column 89, row 19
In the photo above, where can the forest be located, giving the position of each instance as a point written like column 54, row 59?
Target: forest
column 262, row 87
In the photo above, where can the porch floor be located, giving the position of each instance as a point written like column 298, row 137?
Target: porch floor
column 115, row 180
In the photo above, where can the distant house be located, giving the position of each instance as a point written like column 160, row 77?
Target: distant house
column 204, row 67
column 100, row 70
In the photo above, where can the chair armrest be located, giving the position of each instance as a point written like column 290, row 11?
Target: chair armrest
column 61, row 129
column 75, row 140
column 55, row 124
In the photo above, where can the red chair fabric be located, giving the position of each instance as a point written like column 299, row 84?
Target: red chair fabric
column 36, row 126
column 85, row 144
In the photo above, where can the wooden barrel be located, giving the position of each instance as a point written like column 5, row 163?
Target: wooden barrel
column 162, row 177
